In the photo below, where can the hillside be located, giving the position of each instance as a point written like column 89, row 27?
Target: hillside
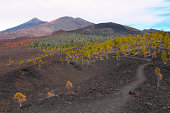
column 150, row 30
column 119, row 74
column 154, row 30
column 63, row 23
column 108, row 29
column 30, row 23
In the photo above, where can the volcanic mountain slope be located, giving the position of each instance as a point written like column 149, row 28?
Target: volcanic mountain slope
column 154, row 30
column 31, row 23
column 108, row 29
column 63, row 23
column 150, row 30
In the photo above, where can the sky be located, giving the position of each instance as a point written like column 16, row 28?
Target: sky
column 141, row 14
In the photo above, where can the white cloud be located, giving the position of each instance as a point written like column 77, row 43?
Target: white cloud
column 14, row 12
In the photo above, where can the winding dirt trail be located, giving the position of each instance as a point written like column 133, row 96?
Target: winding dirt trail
column 113, row 103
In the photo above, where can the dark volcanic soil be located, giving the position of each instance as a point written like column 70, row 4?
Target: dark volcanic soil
column 104, row 86
column 91, row 83
column 16, row 54
column 153, row 99
column 18, row 42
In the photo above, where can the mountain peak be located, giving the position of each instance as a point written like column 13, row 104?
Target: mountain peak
column 35, row 20
column 69, row 17
column 65, row 17
column 33, row 28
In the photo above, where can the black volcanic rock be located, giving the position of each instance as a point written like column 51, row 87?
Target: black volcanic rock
column 31, row 23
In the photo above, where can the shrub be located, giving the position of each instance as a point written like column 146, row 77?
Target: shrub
column 20, row 98
column 69, row 85
column 51, row 93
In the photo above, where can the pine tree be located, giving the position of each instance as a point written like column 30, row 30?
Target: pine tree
column 10, row 61
column 123, row 51
column 164, row 57
column 166, row 40
column 154, row 54
column 133, row 51
column 157, row 70
column 159, row 76
column 117, row 54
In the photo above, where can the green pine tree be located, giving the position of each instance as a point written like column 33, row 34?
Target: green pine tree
column 164, row 57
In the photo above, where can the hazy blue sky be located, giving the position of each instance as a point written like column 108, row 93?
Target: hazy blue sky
column 136, row 13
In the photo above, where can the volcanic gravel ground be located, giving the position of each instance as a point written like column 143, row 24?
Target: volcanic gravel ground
column 148, row 97
column 97, row 87
column 100, row 86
